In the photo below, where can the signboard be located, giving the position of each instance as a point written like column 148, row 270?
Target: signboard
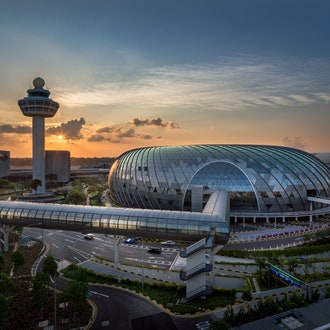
column 287, row 277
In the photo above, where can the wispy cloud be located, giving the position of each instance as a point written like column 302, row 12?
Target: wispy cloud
column 295, row 142
column 228, row 84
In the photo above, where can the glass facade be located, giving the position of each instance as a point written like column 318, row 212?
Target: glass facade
column 185, row 226
column 259, row 179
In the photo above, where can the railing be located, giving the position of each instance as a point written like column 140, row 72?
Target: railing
column 202, row 290
column 201, row 268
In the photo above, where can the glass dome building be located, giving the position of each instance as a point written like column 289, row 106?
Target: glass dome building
column 260, row 179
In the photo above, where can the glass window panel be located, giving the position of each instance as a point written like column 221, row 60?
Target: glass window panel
column 17, row 213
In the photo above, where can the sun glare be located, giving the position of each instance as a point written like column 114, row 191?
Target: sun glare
column 60, row 137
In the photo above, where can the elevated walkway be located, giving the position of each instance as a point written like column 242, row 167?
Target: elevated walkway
column 209, row 228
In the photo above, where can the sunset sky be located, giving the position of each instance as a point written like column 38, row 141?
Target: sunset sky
column 136, row 73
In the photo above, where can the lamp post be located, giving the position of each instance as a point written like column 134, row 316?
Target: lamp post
column 54, row 282
column 142, row 271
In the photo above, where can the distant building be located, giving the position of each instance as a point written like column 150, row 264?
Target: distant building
column 325, row 157
column 58, row 163
column 4, row 163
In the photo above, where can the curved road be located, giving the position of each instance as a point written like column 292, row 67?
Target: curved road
column 120, row 309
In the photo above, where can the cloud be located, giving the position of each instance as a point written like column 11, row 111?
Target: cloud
column 153, row 122
column 117, row 134
column 96, row 138
column 226, row 84
column 296, row 142
column 71, row 130
column 15, row 129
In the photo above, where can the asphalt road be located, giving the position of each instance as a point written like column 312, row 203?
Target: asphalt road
column 119, row 309
column 122, row 310
column 73, row 247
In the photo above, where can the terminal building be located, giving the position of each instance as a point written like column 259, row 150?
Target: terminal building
column 58, row 164
column 264, row 182
column 4, row 163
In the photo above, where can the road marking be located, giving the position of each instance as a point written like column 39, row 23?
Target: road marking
column 100, row 294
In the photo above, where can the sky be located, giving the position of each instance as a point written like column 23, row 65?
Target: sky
column 137, row 73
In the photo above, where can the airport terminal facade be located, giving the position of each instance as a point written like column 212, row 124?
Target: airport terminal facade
column 263, row 181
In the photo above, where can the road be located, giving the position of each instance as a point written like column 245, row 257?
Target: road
column 119, row 309
column 72, row 247
column 123, row 310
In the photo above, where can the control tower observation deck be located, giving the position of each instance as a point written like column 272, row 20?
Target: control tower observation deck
column 39, row 106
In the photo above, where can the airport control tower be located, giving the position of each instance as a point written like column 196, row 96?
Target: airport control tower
column 39, row 106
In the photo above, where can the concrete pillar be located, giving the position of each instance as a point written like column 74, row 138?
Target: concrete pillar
column 117, row 242
column 5, row 230
column 6, row 240
column 38, row 137
column 310, row 216
column 197, row 198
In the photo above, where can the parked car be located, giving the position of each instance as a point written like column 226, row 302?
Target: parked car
column 155, row 250
column 89, row 236
column 129, row 240
column 168, row 243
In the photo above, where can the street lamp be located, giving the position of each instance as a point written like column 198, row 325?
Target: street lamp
column 142, row 271
column 54, row 282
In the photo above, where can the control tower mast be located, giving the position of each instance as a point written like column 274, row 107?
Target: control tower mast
column 39, row 106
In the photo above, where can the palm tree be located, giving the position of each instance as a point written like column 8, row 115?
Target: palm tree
column 35, row 183
column 293, row 263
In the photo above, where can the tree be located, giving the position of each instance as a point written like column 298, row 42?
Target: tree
column 17, row 259
column 34, row 184
column 75, row 197
column 220, row 324
column 7, row 286
column 293, row 263
column 5, row 303
column 40, row 289
column 76, row 292
column 49, row 266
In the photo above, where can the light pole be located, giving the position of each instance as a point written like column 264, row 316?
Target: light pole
column 54, row 282
column 142, row 271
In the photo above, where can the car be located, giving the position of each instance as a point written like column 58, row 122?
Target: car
column 156, row 250
column 129, row 240
column 168, row 243
column 89, row 236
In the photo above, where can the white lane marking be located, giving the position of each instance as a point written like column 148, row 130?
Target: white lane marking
column 100, row 294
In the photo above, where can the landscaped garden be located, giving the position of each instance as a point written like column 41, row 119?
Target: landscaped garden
column 25, row 301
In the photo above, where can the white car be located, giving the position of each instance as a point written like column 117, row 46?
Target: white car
column 168, row 243
column 89, row 236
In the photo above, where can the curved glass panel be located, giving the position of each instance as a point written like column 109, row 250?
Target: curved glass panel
column 265, row 179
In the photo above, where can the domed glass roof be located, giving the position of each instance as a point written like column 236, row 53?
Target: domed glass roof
column 259, row 178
